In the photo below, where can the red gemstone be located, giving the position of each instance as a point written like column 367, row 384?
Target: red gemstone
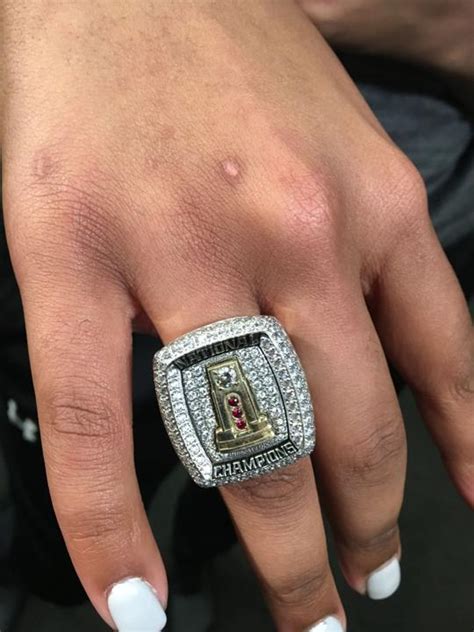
column 233, row 401
column 240, row 424
column 237, row 412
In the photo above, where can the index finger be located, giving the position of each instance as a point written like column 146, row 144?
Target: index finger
column 80, row 348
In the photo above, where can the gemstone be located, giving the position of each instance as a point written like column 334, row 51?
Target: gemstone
column 241, row 424
column 226, row 376
column 237, row 412
column 233, row 401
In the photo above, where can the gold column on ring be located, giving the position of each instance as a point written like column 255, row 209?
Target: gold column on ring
column 240, row 423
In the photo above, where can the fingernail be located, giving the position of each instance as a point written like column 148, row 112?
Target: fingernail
column 134, row 607
column 329, row 624
column 384, row 581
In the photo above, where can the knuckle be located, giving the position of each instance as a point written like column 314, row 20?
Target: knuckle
column 275, row 490
column 376, row 453
column 453, row 382
column 96, row 529
column 463, row 389
column 301, row 589
column 377, row 542
column 82, row 413
column 462, row 383
column 71, row 208
column 312, row 216
column 406, row 194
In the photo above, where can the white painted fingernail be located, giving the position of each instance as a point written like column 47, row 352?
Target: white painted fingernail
column 383, row 582
column 329, row 624
column 134, row 607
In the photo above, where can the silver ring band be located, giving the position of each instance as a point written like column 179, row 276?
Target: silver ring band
column 234, row 400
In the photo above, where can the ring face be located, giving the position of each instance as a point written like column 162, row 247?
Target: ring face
column 234, row 400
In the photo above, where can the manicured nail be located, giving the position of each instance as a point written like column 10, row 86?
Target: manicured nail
column 383, row 582
column 134, row 607
column 329, row 624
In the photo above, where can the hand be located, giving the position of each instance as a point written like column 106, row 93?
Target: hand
column 167, row 165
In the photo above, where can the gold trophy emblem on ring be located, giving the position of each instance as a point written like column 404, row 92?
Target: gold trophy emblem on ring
column 240, row 423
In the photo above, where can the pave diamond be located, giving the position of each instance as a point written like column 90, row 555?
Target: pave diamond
column 226, row 377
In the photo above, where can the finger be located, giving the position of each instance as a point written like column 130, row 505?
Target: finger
column 360, row 458
column 278, row 519
column 80, row 347
column 425, row 326
column 277, row 516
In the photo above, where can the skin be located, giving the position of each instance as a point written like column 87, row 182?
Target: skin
column 167, row 165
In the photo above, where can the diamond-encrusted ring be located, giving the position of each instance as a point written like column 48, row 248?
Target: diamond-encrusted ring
column 234, row 400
